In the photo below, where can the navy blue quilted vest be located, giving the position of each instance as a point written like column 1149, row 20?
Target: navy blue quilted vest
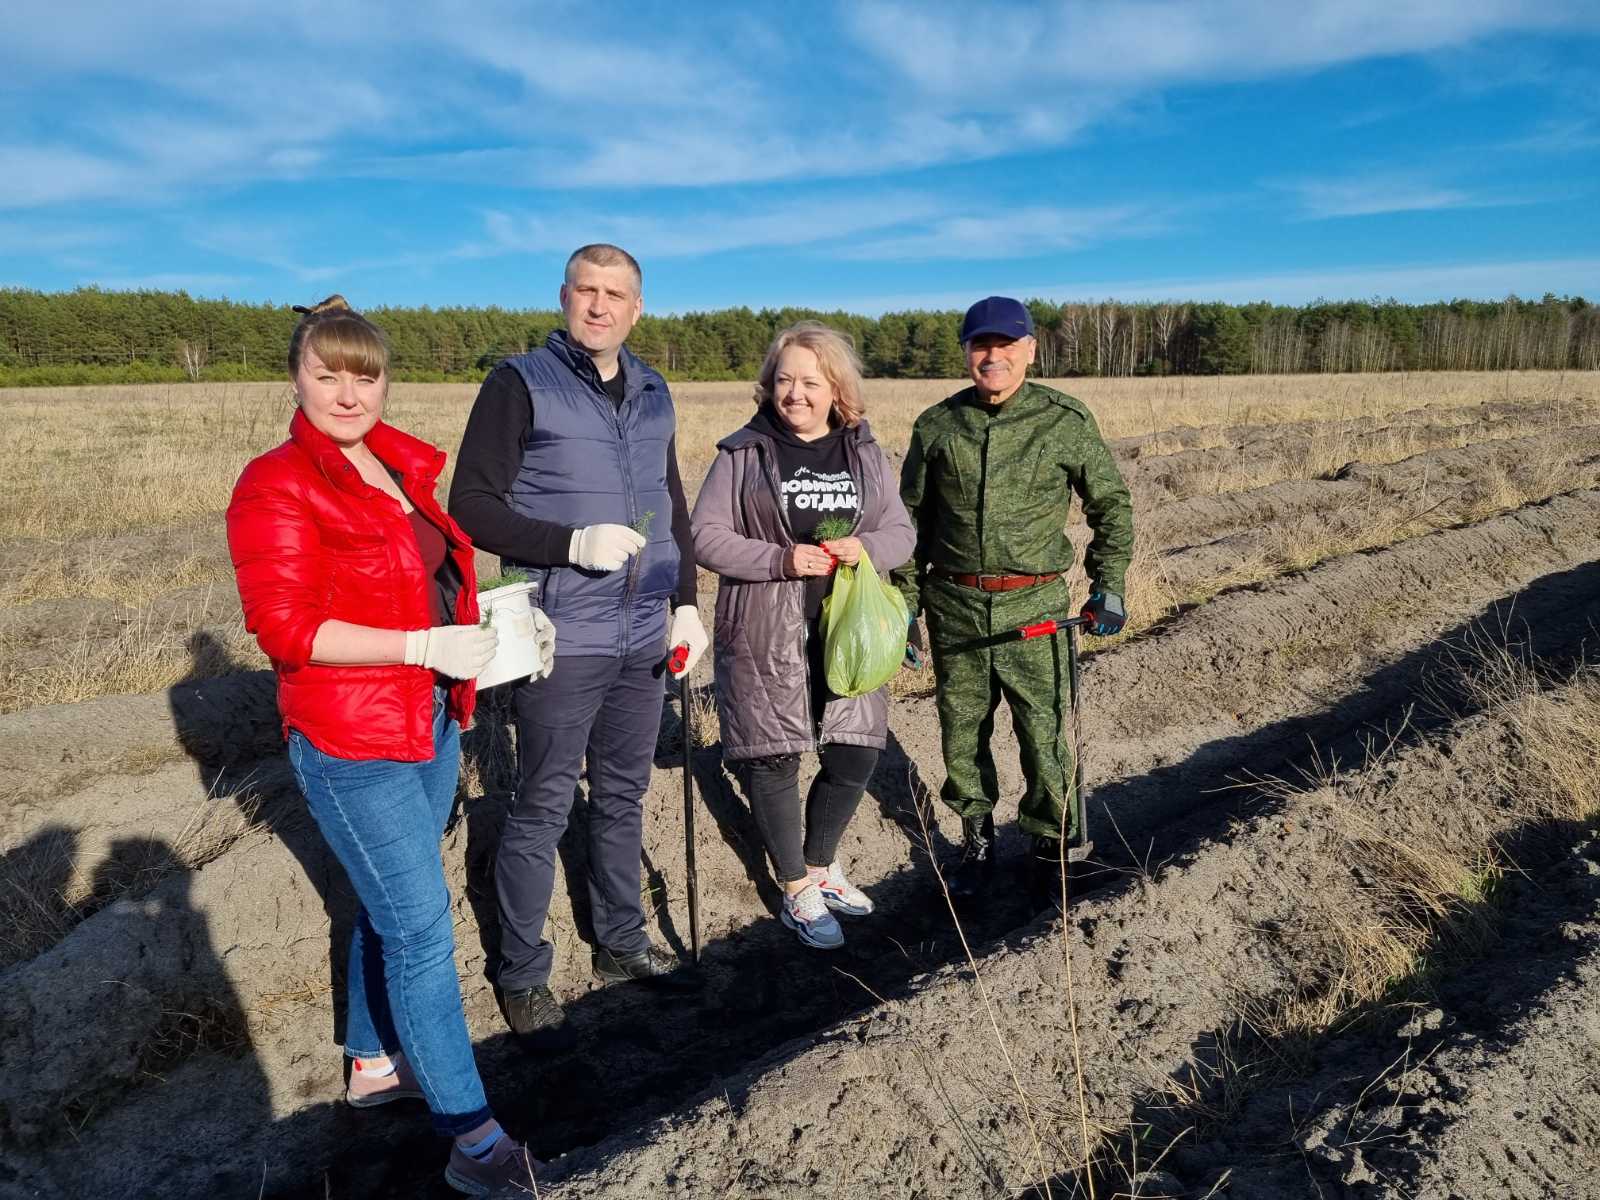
column 586, row 462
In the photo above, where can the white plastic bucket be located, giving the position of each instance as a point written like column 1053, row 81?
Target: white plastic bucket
column 510, row 610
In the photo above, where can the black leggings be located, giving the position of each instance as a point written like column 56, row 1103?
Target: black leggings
column 774, row 787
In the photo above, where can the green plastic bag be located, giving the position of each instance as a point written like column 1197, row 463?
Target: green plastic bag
column 863, row 630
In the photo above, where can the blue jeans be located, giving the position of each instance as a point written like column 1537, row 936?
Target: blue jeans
column 383, row 821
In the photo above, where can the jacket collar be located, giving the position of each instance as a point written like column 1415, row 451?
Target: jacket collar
column 639, row 377
column 752, row 433
column 412, row 457
column 1026, row 396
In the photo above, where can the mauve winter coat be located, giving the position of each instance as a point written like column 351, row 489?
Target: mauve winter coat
column 740, row 532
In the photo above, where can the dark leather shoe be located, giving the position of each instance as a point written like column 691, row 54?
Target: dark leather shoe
column 536, row 1017
column 652, row 966
column 969, row 877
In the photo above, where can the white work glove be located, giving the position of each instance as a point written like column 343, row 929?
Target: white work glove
column 459, row 651
column 687, row 631
column 604, row 547
column 544, row 636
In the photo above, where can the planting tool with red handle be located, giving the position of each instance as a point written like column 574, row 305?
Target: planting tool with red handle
column 679, row 658
column 675, row 663
column 1081, row 847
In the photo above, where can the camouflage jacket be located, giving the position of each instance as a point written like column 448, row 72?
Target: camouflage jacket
column 989, row 489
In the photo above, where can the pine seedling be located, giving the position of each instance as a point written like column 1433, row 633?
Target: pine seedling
column 642, row 525
column 504, row 579
column 832, row 527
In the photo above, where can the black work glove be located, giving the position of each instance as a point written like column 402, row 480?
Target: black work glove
column 914, row 645
column 1104, row 613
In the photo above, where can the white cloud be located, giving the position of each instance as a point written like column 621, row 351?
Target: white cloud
column 1368, row 195
column 32, row 239
column 798, row 223
column 1420, row 283
column 1011, row 233
column 576, row 97
column 1559, row 138
column 881, row 226
column 35, row 176
column 1136, row 44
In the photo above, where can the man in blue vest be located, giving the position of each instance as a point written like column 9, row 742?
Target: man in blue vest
column 569, row 470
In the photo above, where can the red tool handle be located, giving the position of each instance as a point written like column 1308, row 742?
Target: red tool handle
column 678, row 658
column 1045, row 628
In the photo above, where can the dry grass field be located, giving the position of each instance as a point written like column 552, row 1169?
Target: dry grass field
column 110, row 516
column 1344, row 939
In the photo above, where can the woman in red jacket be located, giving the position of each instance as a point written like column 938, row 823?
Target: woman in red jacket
column 361, row 591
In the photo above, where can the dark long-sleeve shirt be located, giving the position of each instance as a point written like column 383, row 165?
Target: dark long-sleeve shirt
column 486, row 467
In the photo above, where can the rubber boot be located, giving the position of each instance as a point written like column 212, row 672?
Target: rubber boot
column 970, row 876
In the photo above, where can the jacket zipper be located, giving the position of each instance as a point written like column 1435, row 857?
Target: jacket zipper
column 770, row 470
column 635, row 566
column 983, row 498
column 427, row 600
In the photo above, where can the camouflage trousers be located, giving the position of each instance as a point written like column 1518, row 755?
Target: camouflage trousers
column 973, row 678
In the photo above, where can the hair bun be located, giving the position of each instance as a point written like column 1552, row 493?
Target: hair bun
column 334, row 303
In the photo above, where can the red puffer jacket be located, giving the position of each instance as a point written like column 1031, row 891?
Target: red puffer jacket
column 311, row 540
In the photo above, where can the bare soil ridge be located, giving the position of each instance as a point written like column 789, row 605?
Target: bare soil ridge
column 186, row 953
column 1231, row 637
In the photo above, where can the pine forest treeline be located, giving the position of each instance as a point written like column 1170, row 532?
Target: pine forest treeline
column 90, row 335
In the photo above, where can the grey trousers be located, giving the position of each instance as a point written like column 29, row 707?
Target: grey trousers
column 608, row 711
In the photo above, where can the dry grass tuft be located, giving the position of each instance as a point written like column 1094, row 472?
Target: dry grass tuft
column 155, row 649
column 1428, row 898
column 56, row 577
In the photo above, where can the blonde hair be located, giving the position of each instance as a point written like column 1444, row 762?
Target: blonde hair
column 340, row 336
column 836, row 355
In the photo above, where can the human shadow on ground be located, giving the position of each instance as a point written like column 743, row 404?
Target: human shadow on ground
column 717, row 788
column 907, row 799
column 226, row 718
column 488, row 751
column 488, row 755
column 642, row 1054
column 138, row 1029
column 36, row 907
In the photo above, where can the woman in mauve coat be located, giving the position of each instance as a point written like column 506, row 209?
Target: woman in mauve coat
column 362, row 592
column 771, row 520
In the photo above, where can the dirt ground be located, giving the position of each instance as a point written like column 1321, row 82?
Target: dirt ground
column 1377, row 982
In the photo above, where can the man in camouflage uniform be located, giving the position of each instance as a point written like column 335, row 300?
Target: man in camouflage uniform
column 989, row 479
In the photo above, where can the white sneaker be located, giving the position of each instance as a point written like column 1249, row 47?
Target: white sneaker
column 838, row 893
column 806, row 914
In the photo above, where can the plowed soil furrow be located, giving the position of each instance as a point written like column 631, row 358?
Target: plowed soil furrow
column 1234, row 468
column 1257, row 675
column 40, row 633
column 1490, row 1086
column 1379, row 506
column 1435, row 479
column 644, row 1057
column 1204, row 437
column 919, row 1095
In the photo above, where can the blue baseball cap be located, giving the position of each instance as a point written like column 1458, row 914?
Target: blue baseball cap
column 998, row 315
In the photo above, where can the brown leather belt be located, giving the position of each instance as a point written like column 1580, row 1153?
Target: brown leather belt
column 996, row 583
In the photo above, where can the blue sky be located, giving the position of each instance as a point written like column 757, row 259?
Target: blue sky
column 867, row 156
